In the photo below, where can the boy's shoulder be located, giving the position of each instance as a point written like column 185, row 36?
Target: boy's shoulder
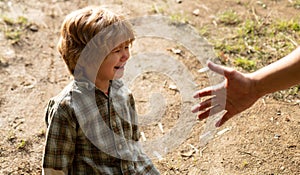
column 60, row 105
column 63, row 98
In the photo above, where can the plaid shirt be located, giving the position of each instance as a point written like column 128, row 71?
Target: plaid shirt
column 89, row 132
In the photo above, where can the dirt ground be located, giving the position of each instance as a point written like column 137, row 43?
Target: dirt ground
column 262, row 140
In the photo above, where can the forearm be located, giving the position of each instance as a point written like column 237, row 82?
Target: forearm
column 279, row 75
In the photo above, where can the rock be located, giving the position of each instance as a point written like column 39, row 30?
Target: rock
column 276, row 136
column 161, row 127
column 3, row 62
column 176, row 51
column 223, row 131
column 173, row 87
column 6, row 54
column 196, row 12
column 34, row 28
column 188, row 153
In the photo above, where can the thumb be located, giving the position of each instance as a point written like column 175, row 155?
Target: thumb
column 218, row 68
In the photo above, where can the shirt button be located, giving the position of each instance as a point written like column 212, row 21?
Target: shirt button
column 125, row 166
column 120, row 146
column 114, row 124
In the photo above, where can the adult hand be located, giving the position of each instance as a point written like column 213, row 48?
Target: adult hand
column 235, row 94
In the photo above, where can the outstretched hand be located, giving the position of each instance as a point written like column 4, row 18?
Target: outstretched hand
column 234, row 95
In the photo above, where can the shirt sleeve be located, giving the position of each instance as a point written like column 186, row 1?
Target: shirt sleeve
column 60, row 138
column 51, row 171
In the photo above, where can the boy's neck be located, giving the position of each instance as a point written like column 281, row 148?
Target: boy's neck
column 102, row 85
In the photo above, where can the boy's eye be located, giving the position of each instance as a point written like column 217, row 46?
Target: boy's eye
column 119, row 49
column 116, row 50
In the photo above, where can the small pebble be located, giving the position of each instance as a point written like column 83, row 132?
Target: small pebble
column 276, row 136
column 196, row 12
column 34, row 28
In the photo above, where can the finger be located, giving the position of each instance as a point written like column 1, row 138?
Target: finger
column 212, row 111
column 196, row 108
column 203, row 105
column 203, row 92
column 211, row 90
column 203, row 115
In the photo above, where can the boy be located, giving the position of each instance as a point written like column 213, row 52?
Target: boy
column 92, row 124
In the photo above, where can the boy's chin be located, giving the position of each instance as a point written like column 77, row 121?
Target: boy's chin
column 116, row 77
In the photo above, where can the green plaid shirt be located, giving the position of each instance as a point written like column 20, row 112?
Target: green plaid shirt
column 89, row 132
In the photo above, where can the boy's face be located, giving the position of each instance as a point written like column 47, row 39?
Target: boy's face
column 113, row 65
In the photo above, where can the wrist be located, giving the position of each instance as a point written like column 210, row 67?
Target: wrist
column 256, row 87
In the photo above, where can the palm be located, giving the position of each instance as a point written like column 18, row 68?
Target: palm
column 234, row 95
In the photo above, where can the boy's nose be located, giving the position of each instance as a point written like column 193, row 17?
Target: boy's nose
column 125, row 56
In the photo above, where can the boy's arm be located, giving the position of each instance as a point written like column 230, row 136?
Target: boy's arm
column 134, row 119
column 60, row 141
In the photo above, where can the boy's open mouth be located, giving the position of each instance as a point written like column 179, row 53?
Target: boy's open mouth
column 119, row 67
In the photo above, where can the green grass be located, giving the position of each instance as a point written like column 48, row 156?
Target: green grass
column 178, row 18
column 15, row 28
column 22, row 144
column 21, row 20
column 11, row 136
column 8, row 21
column 245, row 64
column 229, row 17
column 203, row 31
column 290, row 26
column 157, row 9
column 262, row 41
column 13, row 35
column 255, row 42
column 296, row 4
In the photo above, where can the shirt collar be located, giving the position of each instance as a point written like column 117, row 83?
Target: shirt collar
column 87, row 84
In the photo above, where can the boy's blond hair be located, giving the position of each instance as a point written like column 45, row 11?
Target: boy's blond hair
column 81, row 26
